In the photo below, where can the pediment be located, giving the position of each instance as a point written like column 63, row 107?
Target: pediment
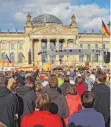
column 52, row 30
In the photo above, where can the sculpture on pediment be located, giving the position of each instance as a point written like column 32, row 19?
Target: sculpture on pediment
column 73, row 22
column 28, row 20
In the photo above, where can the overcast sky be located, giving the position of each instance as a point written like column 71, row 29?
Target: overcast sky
column 88, row 12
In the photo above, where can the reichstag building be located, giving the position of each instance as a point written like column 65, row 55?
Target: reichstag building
column 47, row 32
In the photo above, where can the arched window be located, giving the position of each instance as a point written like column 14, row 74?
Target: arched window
column 12, row 56
column 20, row 45
column 12, row 46
column 20, row 59
column 3, row 56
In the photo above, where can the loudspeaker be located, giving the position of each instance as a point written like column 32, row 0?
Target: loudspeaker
column 106, row 57
column 29, row 57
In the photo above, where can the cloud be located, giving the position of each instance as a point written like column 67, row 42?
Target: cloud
column 51, row 1
column 87, row 16
column 20, row 16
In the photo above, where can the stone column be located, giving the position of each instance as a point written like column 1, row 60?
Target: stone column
column 65, row 46
column 57, row 47
column 48, row 48
column 39, row 50
column 17, row 51
column 31, row 48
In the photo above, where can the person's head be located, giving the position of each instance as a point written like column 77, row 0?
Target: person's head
column 43, row 101
column 39, row 86
column 87, row 74
column 13, row 87
column 2, row 125
column 3, row 80
column 15, row 76
column 79, row 80
column 29, row 81
column 88, row 99
column 53, row 81
column 71, row 90
column 100, row 76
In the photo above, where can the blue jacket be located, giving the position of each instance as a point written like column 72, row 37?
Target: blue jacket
column 87, row 117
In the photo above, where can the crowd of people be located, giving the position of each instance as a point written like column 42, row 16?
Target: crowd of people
column 62, row 97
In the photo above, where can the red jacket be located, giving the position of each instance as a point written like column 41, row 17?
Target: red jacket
column 43, row 118
column 81, row 89
column 74, row 105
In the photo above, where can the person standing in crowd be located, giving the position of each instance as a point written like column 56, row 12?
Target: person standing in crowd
column 11, row 81
column 89, row 82
column 19, row 79
column 102, row 96
column 87, row 117
column 73, row 101
column 41, row 116
column 80, row 85
column 93, row 75
column 26, row 96
column 8, row 103
column 60, row 79
column 56, row 96
column 65, row 85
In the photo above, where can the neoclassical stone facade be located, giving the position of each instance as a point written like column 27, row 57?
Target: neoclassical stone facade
column 47, row 32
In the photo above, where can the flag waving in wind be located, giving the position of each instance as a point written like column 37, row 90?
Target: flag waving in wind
column 8, row 59
column 105, row 29
column 23, row 57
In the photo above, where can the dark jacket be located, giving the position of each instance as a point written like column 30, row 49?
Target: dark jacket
column 102, row 100
column 20, row 79
column 64, row 87
column 8, row 107
column 58, row 99
column 88, row 117
column 26, row 97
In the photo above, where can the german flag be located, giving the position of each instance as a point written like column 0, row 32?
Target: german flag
column 23, row 57
column 105, row 29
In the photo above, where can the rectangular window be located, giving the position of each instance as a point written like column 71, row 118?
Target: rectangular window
column 103, row 46
column 12, row 46
column 4, row 45
column 96, row 46
column 20, row 45
column 81, row 45
column 88, row 46
column 96, row 55
column 81, row 56
column 88, row 56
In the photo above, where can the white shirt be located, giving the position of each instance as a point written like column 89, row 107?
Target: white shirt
column 93, row 77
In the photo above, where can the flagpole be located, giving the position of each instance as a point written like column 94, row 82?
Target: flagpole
column 102, row 52
column 102, row 43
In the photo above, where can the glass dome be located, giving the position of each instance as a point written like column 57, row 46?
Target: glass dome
column 46, row 18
